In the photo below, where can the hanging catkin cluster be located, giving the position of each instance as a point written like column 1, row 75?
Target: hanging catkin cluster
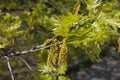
column 53, row 53
column 45, row 44
column 62, row 53
column 57, row 53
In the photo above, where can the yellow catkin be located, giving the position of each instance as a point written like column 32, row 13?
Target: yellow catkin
column 44, row 44
column 53, row 52
column 76, row 7
column 62, row 54
column 57, row 53
column 49, row 56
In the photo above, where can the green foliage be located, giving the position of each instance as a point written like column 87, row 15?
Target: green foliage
column 49, row 72
column 65, row 23
column 87, row 31
column 81, row 24
column 90, row 31
column 9, row 26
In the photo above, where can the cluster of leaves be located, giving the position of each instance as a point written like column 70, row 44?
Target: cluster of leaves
column 49, row 72
column 29, row 22
column 90, row 29
column 9, row 25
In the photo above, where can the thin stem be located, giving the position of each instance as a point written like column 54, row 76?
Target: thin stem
column 25, row 63
column 31, row 50
column 9, row 67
